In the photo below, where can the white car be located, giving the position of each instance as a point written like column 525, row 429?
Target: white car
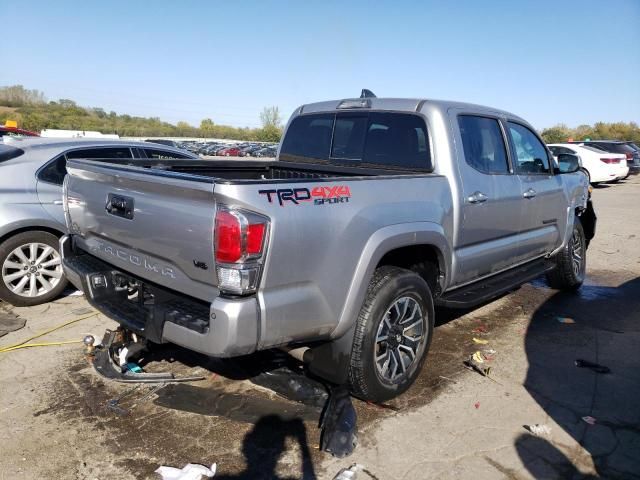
column 601, row 166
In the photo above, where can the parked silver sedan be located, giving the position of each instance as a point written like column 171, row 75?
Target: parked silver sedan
column 31, row 216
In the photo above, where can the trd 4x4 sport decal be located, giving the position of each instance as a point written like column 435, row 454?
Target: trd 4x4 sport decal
column 318, row 195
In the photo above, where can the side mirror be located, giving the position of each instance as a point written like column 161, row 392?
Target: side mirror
column 567, row 163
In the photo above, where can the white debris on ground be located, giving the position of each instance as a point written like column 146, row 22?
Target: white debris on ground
column 190, row 471
column 540, row 430
column 350, row 473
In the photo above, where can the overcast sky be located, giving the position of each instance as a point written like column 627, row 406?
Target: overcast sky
column 550, row 62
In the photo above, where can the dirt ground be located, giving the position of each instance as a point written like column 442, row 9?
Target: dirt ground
column 453, row 423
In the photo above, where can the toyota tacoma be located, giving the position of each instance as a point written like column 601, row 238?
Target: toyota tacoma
column 375, row 211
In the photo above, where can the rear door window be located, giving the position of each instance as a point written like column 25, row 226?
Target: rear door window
column 561, row 150
column 164, row 154
column 529, row 152
column 55, row 171
column 8, row 152
column 100, row 153
column 483, row 144
column 622, row 148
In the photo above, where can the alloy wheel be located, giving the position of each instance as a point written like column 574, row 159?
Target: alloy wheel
column 577, row 254
column 32, row 270
column 399, row 339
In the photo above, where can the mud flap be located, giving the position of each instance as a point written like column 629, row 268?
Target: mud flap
column 331, row 361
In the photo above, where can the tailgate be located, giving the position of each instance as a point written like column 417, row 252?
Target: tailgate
column 153, row 224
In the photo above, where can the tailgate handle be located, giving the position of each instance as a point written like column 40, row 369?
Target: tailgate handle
column 120, row 206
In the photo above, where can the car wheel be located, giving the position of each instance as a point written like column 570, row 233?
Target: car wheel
column 31, row 269
column 392, row 336
column 571, row 262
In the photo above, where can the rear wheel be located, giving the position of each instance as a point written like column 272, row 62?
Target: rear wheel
column 31, row 269
column 392, row 336
column 571, row 262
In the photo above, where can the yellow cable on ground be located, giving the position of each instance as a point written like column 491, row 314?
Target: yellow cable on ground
column 45, row 344
column 13, row 347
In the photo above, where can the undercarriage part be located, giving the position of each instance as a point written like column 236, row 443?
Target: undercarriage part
column 113, row 343
column 293, row 386
column 116, row 404
column 339, row 424
column 302, row 354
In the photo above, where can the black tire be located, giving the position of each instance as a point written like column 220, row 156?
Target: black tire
column 14, row 242
column 388, row 287
column 569, row 272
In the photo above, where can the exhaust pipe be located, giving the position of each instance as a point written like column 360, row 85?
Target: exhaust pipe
column 302, row 354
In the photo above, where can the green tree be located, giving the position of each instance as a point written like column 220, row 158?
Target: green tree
column 207, row 128
column 269, row 133
column 18, row 96
column 270, row 117
column 557, row 134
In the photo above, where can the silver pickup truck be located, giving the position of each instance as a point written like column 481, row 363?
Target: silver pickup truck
column 375, row 211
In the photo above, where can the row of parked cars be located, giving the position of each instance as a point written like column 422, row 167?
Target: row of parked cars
column 222, row 149
column 603, row 160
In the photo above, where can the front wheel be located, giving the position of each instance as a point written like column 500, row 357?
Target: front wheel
column 392, row 336
column 571, row 262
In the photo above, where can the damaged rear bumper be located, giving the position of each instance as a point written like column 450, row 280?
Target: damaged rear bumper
column 225, row 328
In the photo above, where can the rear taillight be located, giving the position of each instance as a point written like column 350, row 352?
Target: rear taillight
column 629, row 155
column 610, row 161
column 240, row 241
column 228, row 238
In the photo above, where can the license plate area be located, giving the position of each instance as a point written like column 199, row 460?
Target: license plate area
column 138, row 305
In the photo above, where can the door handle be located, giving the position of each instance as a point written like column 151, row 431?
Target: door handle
column 57, row 202
column 529, row 193
column 477, row 197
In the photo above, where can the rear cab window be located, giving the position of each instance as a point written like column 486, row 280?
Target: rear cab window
column 388, row 140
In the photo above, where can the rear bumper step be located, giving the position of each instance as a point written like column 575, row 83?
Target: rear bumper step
column 227, row 327
column 483, row 291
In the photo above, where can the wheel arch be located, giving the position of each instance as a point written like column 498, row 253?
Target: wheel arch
column 31, row 228
column 395, row 245
column 426, row 260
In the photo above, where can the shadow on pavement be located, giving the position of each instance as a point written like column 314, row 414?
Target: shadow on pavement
column 264, row 444
column 606, row 332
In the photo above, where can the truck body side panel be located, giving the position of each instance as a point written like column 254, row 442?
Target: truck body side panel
column 308, row 287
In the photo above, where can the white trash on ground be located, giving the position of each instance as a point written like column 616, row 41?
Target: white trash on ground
column 191, row 471
column 350, row 473
column 539, row 430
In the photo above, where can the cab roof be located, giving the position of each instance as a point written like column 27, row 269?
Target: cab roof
column 398, row 104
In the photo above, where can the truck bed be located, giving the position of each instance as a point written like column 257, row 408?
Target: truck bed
column 257, row 170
